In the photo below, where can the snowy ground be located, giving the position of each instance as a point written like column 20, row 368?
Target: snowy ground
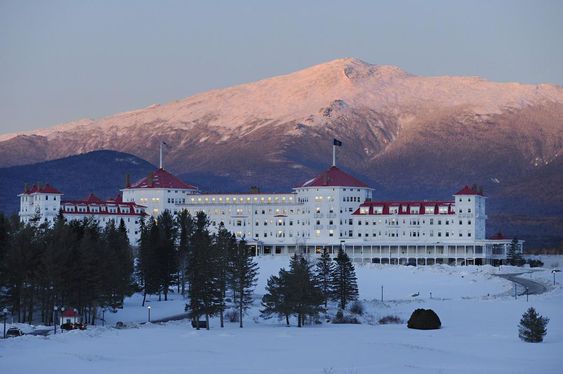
column 479, row 333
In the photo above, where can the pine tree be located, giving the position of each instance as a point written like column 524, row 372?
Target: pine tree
column 324, row 270
column 205, row 295
column 147, row 265
column 242, row 277
column 166, row 251
column 514, row 255
column 277, row 301
column 532, row 327
column 305, row 294
column 223, row 245
column 185, row 227
column 344, row 286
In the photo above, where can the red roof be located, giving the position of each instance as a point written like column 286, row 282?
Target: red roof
column 102, row 206
column 70, row 313
column 466, row 190
column 404, row 207
column 93, row 199
column 334, row 177
column 161, row 179
column 42, row 189
column 498, row 236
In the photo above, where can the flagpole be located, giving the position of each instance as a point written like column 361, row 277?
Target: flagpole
column 160, row 163
column 333, row 155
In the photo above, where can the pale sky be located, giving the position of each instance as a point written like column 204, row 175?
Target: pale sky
column 65, row 60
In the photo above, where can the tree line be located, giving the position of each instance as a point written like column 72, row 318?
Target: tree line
column 76, row 263
column 210, row 269
column 82, row 265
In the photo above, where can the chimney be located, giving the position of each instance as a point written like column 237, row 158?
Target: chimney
column 127, row 181
column 150, row 179
column 25, row 188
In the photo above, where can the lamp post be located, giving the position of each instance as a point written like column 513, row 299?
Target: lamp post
column 104, row 317
column 55, row 308
column 62, row 312
column 5, row 314
column 553, row 272
column 149, row 309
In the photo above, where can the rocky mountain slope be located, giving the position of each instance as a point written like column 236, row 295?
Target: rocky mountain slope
column 408, row 136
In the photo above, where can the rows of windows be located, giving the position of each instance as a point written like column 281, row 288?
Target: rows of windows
column 240, row 199
column 411, row 234
column 411, row 222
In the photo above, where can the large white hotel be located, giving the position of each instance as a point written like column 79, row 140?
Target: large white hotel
column 331, row 210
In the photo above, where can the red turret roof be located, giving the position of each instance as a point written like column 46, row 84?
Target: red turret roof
column 42, row 189
column 334, row 177
column 466, row 190
column 161, row 179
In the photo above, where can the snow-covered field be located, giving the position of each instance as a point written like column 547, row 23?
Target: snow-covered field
column 479, row 333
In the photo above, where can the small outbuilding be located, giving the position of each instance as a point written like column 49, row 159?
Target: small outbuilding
column 70, row 317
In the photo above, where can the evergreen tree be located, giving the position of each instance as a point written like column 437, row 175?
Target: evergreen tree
column 205, row 296
column 324, row 270
column 305, row 296
column 514, row 255
column 277, row 300
column 148, row 261
column 71, row 264
column 242, row 277
column 344, row 286
column 19, row 264
column 532, row 327
column 293, row 292
column 185, row 227
column 118, row 267
column 166, row 251
column 223, row 245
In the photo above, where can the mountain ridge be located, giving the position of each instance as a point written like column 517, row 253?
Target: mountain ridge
column 406, row 135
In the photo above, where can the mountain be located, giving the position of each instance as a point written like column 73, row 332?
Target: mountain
column 408, row 136
column 101, row 172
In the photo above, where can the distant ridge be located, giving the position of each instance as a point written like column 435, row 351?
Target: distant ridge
column 100, row 172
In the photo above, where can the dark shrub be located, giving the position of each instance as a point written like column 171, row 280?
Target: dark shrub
column 424, row 319
column 232, row 315
column 390, row 320
column 357, row 308
column 199, row 324
column 339, row 315
column 340, row 318
column 535, row 263
column 346, row 320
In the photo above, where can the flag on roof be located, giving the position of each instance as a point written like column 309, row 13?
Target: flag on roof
column 337, row 142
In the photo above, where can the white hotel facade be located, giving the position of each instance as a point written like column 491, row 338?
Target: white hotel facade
column 330, row 211
column 335, row 210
